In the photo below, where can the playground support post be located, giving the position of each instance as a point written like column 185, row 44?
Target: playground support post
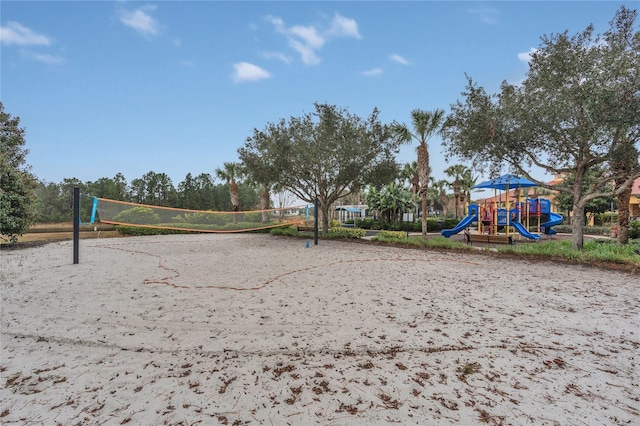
column 76, row 225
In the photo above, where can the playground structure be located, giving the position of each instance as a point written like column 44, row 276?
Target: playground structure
column 494, row 218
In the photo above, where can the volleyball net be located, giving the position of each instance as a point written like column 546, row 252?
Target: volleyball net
column 148, row 216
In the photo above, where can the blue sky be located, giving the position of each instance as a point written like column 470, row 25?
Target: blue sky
column 174, row 87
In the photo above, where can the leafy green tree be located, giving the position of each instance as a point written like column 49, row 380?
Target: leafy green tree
column 66, row 197
column 425, row 125
column 163, row 193
column 154, row 189
column 17, row 184
column 383, row 173
column 188, row 194
column 624, row 53
column 392, row 201
column 324, row 155
column 197, row 193
column 563, row 118
column 250, row 196
column 113, row 189
column 564, row 200
column 138, row 191
column 49, row 203
column 259, row 172
column 205, row 183
column 409, row 173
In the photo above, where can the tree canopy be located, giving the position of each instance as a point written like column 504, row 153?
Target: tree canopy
column 17, row 196
column 577, row 108
column 325, row 155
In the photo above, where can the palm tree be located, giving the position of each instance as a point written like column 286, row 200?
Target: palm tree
column 229, row 173
column 468, row 182
column 410, row 173
column 444, row 197
column 439, row 191
column 457, row 172
column 425, row 125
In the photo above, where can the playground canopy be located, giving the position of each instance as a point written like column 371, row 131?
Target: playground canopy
column 505, row 183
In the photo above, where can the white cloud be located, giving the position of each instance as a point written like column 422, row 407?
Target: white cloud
column 141, row 20
column 45, row 58
column 526, row 56
column 308, row 40
column 488, row 15
column 244, row 71
column 277, row 55
column 372, row 72
column 307, row 53
column 343, row 27
column 399, row 59
column 15, row 33
column 307, row 35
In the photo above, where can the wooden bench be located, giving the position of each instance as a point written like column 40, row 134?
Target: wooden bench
column 305, row 228
column 488, row 239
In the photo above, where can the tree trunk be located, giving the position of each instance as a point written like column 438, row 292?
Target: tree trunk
column 424, row 213
column 324, row 212
column 456, row 195
column 264, row 203
column 444, row 200
column 577, row 227
column 423, row 174
column 235, row 199
column 577, row 224
column 623, row 215
column 415, row 188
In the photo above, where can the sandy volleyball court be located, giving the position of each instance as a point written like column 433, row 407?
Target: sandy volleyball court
column 256, row 329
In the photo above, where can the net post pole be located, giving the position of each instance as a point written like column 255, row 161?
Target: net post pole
column 315, row 222
column 76, row 224
column 94, row 210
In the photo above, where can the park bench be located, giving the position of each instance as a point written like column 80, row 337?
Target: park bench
column 488, row 239
column 302, row 228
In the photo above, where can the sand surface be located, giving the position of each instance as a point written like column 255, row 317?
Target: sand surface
column 256, row 329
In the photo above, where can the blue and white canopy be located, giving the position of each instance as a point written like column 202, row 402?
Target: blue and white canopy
column 505, row 183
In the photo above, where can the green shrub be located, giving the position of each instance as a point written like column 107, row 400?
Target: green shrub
column 606, row 218
column 138, row 215
column 393, row 234
column 341, row 232
column 136, row 231
column 205, row 218
column 367, row 223
column 242, row 225
column 563, row 229
column 588, row 230
column 434, row 224
column 634, row 229
column 597, row 230
column 289, row 231
column 255, row 217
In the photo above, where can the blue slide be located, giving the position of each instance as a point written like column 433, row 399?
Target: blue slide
column 464, row 223
column 523, row 231
column 554, row 219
